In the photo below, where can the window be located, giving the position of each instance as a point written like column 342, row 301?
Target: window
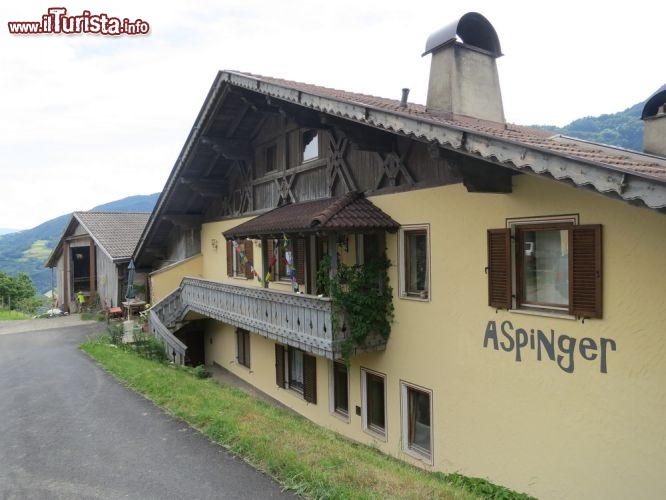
column 416, row 421
column 287, row 260
column 554, row 265
column 415, row 262
column 369, row 246
column 270, row 158
column 309, row 145
column 374, row 403
column 296, row 370
column 239, row 257
column 243, row 347
column 339, row 389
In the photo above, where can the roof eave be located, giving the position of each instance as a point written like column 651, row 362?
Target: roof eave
column 628, row 185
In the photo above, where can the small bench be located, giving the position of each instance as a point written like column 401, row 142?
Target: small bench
column 115, row 312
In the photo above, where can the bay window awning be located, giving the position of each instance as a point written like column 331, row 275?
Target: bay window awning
column 351, row 213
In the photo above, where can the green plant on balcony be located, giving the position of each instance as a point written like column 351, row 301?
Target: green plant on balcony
column 362, row 300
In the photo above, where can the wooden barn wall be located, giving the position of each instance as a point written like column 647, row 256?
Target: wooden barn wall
column 107, row 280
column 409, row 166
column 182, row 244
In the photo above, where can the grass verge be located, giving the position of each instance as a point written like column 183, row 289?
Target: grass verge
column 302, row 456
column 6, row 314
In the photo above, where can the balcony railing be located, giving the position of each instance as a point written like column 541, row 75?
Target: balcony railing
column 298, row 320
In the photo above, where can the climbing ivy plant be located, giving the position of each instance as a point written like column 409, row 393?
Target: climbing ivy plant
column 362, row 299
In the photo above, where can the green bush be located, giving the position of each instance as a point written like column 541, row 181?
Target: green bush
column 115, row 333
column 201, row 372
column 148, row 346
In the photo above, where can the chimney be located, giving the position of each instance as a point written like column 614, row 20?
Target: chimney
column 405, row 96
column 654, row 124
column 463, row 69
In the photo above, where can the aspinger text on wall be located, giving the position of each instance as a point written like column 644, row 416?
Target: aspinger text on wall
column 563, row 349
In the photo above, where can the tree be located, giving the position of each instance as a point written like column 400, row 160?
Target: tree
column 18, row 292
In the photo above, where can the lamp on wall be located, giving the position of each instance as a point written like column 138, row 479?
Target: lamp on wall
column 213, row 243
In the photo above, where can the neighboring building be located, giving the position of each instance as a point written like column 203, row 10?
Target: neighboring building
column 527, row 271
column 92, row 257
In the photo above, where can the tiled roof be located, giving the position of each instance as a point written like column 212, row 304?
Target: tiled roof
column 349, row 212
column 619, row 159
column 116, row 232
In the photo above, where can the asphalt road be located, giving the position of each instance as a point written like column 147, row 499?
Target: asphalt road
column 68, row 430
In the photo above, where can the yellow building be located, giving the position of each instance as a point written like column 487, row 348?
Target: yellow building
column 526, row 278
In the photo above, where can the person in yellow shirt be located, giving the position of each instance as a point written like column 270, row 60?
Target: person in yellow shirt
column 81, row 300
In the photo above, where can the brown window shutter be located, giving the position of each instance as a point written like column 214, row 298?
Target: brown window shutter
column 310, row 379
column 246, row 348
column 279, row 365
column 230, row 257
column 240, row 346
column 499, row 268
column 585, row 284
column 299, row 260
column 271, row 249
column 249, row 255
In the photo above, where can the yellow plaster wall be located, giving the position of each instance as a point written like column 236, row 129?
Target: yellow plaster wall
column 529, row 424
column 166, row 280
column 525, row 424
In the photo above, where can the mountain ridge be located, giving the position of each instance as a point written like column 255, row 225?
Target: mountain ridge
column 27, row 250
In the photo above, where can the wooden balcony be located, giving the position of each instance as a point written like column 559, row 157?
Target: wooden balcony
column 298, row 320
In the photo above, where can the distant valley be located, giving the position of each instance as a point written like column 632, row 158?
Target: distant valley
column 26, row 251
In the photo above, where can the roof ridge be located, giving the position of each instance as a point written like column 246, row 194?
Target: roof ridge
column 325, row 215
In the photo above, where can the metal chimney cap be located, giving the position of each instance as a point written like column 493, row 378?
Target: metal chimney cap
column 472, row 29
column 651, row 107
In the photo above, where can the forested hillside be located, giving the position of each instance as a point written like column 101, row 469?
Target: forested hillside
column 26, row 251
column 623, row 129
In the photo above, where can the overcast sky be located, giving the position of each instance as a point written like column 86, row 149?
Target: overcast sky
column 87, row 119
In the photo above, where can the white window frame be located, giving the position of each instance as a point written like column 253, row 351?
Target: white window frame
column 403, row 293
column 237, row 268
column 414, row 451
column 515, row 223
column 375, row 432
column 303, row 146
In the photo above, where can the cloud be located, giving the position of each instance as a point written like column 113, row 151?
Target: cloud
column 88, row 119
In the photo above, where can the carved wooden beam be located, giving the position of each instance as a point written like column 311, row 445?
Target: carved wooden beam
column 238, row 119
column 209, row 188
column 284, row 189
column 395, row 165
column 479, row 177
column 364, row 137
column 154, row 252
column 184, row 220
column 336, row 166
column 232, row 149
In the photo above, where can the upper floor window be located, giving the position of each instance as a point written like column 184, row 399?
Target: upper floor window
column 287, row 259
column 239, row 256
column 415, row 262
column 270, row 157
column 309, row 145
column 548, row 265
